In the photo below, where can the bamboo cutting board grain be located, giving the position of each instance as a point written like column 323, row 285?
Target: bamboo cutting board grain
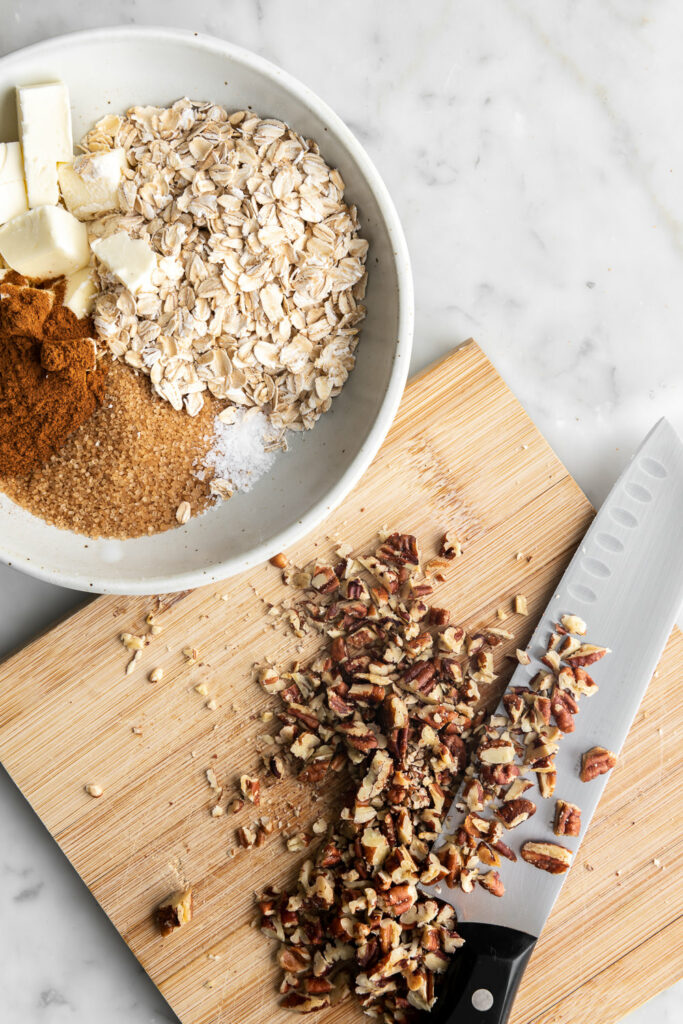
column 461, row 454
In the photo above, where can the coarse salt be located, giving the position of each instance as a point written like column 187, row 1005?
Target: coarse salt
column 242, row 451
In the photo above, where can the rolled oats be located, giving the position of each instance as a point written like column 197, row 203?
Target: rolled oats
column 257, row 295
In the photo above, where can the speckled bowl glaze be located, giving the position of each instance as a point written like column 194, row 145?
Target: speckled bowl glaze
column 110, row 70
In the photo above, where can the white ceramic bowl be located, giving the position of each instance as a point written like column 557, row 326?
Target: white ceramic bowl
column 110, row 70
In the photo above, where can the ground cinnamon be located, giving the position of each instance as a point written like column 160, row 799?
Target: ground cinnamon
column 49, row 384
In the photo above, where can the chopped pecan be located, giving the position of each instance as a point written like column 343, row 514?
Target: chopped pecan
column 513, row 812
column 450, row 546
column 394, row 713
column 246, row 836
column 493, row 883
column 315, row 771
column 546, row 783
column 451, row 639
column 399, row 899
column 294, row 959
column 518, row 787
column 500, row 847
column 596, row 761
column 439, row 616
column 338, row 705
column 567, row 819
column 586, row 654
column 400, row 549
column 574, row 624
column 499, row 774
column 549, row 857
column 304, row 1003
column 338, row 651
column 496, row 752
column 251, row 788
column 175, row 911
column 473, row 794
column 324, row 579
column 390, row 699
column 563, row 707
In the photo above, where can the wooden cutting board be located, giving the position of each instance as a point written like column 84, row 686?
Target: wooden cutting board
column 462, row 454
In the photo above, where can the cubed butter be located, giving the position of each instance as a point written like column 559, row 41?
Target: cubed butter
column 44, row 117
column 131, row 260
column 90, row 185
column 12, row 188
column 80, row 292
column 45, row 242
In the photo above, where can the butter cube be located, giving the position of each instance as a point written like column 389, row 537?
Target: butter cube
column 44, row 117
column 90, row 185
column 12, row 189
column 45, row 242
column 80, row 292
column 129, row 259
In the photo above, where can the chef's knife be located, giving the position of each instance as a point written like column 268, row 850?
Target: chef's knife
column 626, row 582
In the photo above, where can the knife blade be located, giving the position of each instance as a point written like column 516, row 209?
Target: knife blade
column 626, row 581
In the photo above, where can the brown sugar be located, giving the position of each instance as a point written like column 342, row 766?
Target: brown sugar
column 126, row 470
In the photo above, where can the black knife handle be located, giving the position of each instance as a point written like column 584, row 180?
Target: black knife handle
column 481, row 985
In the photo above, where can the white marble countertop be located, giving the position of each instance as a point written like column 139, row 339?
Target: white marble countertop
column 535, row 155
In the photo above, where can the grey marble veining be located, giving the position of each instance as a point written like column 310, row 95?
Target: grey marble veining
column 534, row 152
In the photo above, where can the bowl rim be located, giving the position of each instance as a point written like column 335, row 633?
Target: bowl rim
column 220, row 570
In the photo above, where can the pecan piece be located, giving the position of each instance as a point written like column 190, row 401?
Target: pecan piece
column 473, row 795
column 492, row 882
column 338, row 650
column 496, row 752
column 304, row 1003
column 574, row 624
column 513, row 812
column 596, row 761
column 338, row 705
column 518, row 787
column 450, row 546
column 439, row 616
column 174, row 912
column 549, row 857
column 315, row 772
column 246, row 837
column 324, row 579
column 295, row 959
column 586, row 654
column 400, row 898
column 504, row 850
column 563, row 707
column 546, row 783
column 251, row 788
column 499, row 774
column 567, row 819
column 394, row 712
